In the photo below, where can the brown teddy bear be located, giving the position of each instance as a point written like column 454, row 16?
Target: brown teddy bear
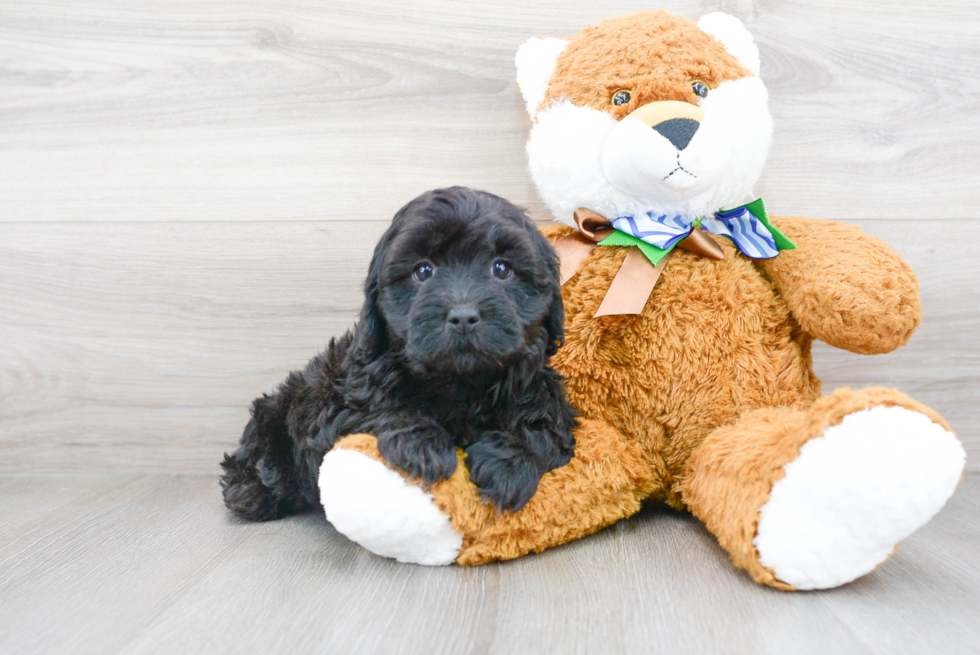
column 689, row 320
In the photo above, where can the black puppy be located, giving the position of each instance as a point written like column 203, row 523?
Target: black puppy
column 462, row 311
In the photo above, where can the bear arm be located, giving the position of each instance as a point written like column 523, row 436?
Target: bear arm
column 846, row 288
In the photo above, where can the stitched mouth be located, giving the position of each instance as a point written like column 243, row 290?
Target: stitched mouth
column 679, row 168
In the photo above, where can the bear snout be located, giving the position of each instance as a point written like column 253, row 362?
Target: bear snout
column 679, row 131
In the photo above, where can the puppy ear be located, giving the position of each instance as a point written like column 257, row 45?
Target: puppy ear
column 370, row 335
column 555, row 322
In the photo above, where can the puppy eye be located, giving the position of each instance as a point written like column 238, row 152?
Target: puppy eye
column 621, row 97
column 423, row 271
column 501, row 269
column 700, row 88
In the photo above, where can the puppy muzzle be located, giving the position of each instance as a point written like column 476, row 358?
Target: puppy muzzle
column 466, row 338
column 463, row 318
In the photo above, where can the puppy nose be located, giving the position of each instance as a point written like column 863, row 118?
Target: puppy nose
column 679, row 131
column 463, row 318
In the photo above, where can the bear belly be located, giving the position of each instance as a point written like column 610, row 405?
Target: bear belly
column 714, row 341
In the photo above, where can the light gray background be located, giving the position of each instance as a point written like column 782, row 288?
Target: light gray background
column 189, row 194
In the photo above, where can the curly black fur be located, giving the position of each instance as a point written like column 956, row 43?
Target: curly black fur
column 420, row 379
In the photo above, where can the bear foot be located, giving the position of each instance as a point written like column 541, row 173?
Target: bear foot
column 853, row 493
column 377, row 508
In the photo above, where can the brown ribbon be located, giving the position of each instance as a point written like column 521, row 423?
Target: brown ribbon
column 636, row 278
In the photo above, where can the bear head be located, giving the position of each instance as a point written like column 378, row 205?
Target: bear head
column 646, row 113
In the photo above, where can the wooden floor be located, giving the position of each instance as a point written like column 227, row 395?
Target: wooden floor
column 189, row 196
column 152, row 564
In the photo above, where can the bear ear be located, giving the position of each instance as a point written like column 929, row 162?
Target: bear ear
column 732, row 34
column 536, row 60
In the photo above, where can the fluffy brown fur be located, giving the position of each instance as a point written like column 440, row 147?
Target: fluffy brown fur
column 607, row 480
column 703, row 398
column 726, row 337
column 732, row 472
column 653, row 55
column 714, row 335
column 844, row 305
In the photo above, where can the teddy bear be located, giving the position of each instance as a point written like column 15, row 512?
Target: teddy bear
column 690, row 314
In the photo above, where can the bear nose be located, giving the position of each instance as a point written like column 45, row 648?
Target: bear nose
column 463, row 318
column 679, row 131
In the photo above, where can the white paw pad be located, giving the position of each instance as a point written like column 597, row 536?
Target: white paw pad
column 375, row 507
column 854, row 493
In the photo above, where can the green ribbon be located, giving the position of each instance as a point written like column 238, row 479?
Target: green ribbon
column 757, row 208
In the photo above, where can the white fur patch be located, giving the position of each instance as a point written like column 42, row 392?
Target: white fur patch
column 854, row 493
column 639, row 160
column 731, row 33
column 581, row 157
column 375, row 507
column 535, row 61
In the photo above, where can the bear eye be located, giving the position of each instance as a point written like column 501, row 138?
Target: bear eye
column 423, row 271
column 621, row 97
column 501, row 269
column 700, row 88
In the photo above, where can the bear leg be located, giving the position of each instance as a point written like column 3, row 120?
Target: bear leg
column 815, row 498
column 379, row 508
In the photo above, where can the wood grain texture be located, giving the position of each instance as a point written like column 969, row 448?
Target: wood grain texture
column 122, row 110
column 153, row 564
column 138, row 347
column 189, row 195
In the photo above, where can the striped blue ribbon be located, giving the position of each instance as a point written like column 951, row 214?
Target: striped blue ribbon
column 740, row 225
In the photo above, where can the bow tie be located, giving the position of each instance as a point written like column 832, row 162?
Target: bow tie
column 655, row 237
column 748, row 227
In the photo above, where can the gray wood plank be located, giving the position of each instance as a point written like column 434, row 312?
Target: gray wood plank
column 152, row 564
column 134, row 328
column 939, row 567
column 127, row 111
column 137, row 347
column 170, row 327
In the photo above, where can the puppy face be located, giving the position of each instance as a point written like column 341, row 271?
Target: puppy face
column 463, row 282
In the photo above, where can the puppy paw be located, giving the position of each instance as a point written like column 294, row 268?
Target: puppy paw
column 504, row 475
column 424, row 452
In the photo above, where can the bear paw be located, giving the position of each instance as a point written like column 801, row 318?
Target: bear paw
column 377, row 508
column 853, row 493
